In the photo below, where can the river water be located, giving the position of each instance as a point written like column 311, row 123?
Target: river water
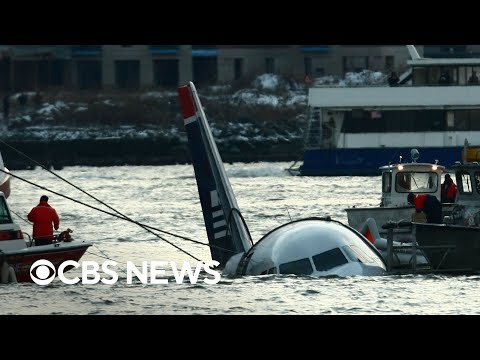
column 166, row 198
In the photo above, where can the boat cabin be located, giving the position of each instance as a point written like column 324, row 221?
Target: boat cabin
column 467, row 211
column 11, row 236
column 400, row 179
column 448, row 71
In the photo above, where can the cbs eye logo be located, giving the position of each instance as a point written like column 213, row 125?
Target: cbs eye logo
column 42, row 272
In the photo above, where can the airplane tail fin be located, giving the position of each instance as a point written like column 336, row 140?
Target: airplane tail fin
column 226, row 230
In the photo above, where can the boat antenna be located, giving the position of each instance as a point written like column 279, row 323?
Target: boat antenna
column 400, row 159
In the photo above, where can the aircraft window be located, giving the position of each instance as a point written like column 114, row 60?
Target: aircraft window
column 362, row 257
column 350, row 253
column 329, row 259
column 298, row 267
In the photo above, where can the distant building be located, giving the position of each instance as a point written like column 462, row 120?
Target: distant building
column 132, row 67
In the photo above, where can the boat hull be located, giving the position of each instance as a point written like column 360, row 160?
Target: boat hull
column 21, row 260
column 367, row 161
column 449, row 247
column 5, row 185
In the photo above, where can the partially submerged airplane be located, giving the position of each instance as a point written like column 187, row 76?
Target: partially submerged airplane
column 310, row 246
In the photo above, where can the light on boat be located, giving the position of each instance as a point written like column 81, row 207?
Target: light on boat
column 434, row 167
column 400, row 167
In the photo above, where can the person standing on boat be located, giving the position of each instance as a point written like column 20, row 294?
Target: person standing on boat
column 444, row 78
column 429, row 204
column 44, row 219
column 449, row 190
column 473, row 79
column 393, row 79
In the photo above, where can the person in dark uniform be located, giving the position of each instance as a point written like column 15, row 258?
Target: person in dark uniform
column 429, row 204
column 444, row 78
column 393, row 79
column 473, row 79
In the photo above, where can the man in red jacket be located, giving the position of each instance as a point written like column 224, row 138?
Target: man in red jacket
column 43, row 216
column 449, row 190
column 429, row 204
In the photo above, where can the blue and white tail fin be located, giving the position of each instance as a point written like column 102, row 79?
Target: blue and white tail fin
column 225, row 227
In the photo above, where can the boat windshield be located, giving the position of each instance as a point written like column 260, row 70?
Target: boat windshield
column 416, row 182
column 5, row 217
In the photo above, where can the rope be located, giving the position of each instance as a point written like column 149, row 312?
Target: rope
column 146, row 227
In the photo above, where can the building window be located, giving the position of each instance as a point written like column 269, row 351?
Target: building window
column 127, row 74
column 308, row 66
column 165, row 72
column 355, row 63
column 319, row 72
column 238, row 68
column 389, row 63
column 89, row 74
column 269, row 65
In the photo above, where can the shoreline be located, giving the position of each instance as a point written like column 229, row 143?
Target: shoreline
column 148, row 151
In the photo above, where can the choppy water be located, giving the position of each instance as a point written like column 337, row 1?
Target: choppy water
column 166, row 197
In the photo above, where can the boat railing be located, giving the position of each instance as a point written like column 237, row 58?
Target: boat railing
column 416, row 250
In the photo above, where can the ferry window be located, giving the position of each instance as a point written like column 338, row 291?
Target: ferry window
column 464, row 183
column 462, row 76
column 4, row 214
column 420, row 77
column 474, row 120
column 387, row 182
column 461, row 120
column 329, row 259
column 357, row 114
column 298, row 267
column 472, row 74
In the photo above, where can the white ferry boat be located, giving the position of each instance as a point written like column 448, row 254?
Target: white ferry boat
column 433, row 107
